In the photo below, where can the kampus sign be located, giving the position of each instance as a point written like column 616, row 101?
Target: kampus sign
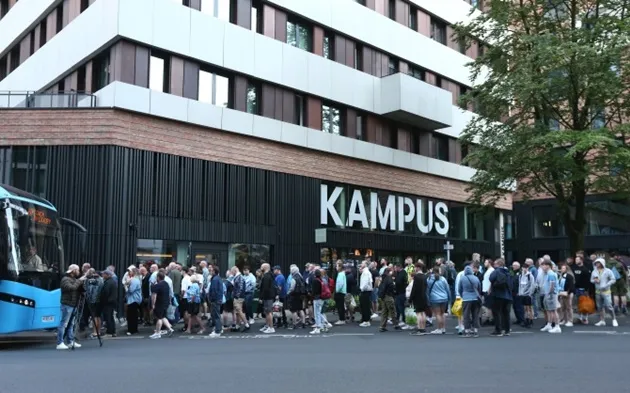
column 391, row 215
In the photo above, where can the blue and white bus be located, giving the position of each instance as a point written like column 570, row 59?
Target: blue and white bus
column 31, row 261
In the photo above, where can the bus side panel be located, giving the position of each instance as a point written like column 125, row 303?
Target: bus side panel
column 15, row 317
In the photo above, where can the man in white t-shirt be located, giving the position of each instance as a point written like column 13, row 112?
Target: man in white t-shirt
column 485, row 287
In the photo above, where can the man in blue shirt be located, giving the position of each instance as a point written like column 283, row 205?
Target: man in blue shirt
column 550, row 297
column 282, row 292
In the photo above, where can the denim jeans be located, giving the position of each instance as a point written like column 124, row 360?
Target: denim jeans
column 216, row 317
column 401, row 298
column 65, row 324
column 249, row 305
column 317, row 310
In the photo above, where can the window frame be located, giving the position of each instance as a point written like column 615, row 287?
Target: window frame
column 438, row 30
column 332, row 107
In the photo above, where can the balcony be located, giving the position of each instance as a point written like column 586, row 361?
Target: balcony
column 409, row 100
column 70, row 99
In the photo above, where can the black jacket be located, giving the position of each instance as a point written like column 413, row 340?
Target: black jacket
column 387, row 287
column 569, row 284
column 401, row 282
column 419, row 292
column 267, row 287
column 70, row 289
column 109, row 293
column 582, row 276
column 146, row 284
column 316, row 288
column 351, row 283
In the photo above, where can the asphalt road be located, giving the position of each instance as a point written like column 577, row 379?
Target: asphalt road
column 349, row 359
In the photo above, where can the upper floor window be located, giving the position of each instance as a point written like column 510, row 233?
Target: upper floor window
column 159, row 73
column 328, row 46
column 253, row 92
column 59, row 17
column 256, row 22
column 391, row 9
column 440, row 147
column 417, row 73
column 300, row 110
column 361, row 126
column 215, row 89
column 393, row 65
column 362, row 2
column 217, row 8
column 15, row 58
column 358, row 57
column 599, row 119
column 463, row 90
column 84, row 5
column 413, row 18
column 4, row 7
column 331, row 119
column 42, row 32
column 438, row 31
column 477, row 4
column 100, row 72
column 3, row 68
column 299, row 35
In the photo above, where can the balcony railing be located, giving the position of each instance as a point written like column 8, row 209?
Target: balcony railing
column 62, row 99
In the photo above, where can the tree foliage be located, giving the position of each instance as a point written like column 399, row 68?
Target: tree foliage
column 557, row 76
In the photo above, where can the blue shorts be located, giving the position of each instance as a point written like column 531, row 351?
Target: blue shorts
column 374, row 295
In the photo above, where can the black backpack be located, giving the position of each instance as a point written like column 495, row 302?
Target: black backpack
column 300, row 286
column 501, row 283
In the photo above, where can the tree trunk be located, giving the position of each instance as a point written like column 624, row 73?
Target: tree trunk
column 575, row 232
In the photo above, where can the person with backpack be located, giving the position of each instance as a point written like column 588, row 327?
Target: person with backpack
column 603, row 279
column 469, row 289
column 439, row 295
column 501, row 294
column 295, row 296
column 386, row 293
column 321, row 293
column 526, row 289
column 215, row 298
column 93, row 287
column 227, row 308
column 619, row 290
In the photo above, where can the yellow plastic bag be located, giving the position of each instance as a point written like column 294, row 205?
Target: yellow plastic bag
column 458, row 308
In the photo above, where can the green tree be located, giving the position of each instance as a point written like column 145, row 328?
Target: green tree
column 553, row 91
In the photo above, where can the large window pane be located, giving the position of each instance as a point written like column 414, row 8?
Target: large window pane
column 156, row 74
column 440, row 148
column 608, row 218
column 222, row 91
column 250, row 255
column 205, row 87
column 546, row 222
column 331, row 120
column 438, row 31
column 252, row 98
column 299, row 35
column 216, row 8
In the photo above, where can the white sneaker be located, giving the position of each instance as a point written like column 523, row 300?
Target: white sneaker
column 374, row 316
column 569, row 324
column 407, row 327
column 339, row 323
column 365, row 324
column 315, row 331
column 270, row 331
column 437, row 331
column 615, row 323
column 74, row 344
column 556, row 329
column 401, row 324
column 263, row 328
column 155, row 335
column 601, row 323
column 252, row 321
column 562, row 323
column 214, row 335
column 546, row 328
column 62, row 346
column 328, row 325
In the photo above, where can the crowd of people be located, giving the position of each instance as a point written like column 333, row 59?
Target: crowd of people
column 202, row 300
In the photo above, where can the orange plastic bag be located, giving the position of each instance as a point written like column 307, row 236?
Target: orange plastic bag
column 586, row 305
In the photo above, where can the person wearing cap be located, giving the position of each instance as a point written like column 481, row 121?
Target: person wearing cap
column 109, row 301
column 282, row 292
column 603, row 279
column 71, row 287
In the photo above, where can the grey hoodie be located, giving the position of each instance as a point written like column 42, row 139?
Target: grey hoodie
column 606, row 277
column 526, row 283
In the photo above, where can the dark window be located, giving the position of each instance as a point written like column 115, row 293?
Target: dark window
column 60, row 17
column 15, row 58
column 438, row 81
column 599, row 119
column 477, row 4
column 299, row 35
column 438, row 31
column 440, row 147
column 417, row 73
column 328, row 46
column 362, row 2
column 4, row 7
column 413, row 18
column 300, row 105
column 554, row 124
column 159, row 71
column 463, row 90
column 81, row 79
column 256, row 23
column 253, row 94
column 100, row 72
column 546, row 222
column 391, row 9
column 32, row 43
column 393, row 137
column 61, row 86
column 3, row 68
column 361, row 125
column 331, row 119
column 462, row 47
column 84, row 5
column 393, row 65
column 482, row 49
column 42, row 33
column 358, row 57
column 415, row 141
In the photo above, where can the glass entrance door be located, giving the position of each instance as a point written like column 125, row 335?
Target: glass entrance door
column 214, row 256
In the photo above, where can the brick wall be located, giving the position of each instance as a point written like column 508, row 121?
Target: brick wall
column 121, row 128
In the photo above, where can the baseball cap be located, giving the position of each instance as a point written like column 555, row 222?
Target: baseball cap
column 277, row 267
column 72, row 267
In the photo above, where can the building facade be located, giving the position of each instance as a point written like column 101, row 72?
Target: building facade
column 237, row 131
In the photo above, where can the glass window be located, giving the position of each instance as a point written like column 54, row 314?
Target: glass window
column 222, row 93
column 417, row 73
column 252, row 98
column 361, row 121
column 331, row 119
column 251, row 255
column 358, row 57
column 213, row 88
column 438, row 31
column 59, row 15
column 476, row 4
column 205, row 87
column 299, row 110
column 161, row 252
column 463, row 90
column 217, row 8
column 611, row 217
column 393, row 65
column 413, row 18
column 4, row 7
column 255, row 22
column 509, row 225
column 328, row 46
column 299, row 35
column 391, row 9
column 157, row 74
column 440, row 147
column 554, row 124
column 599, row 118
column 546, row 222
column 15, row 59
column 457, row 217
column 100, row 72
column 476, row 225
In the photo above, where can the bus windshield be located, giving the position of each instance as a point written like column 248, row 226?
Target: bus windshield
column 35, row 252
